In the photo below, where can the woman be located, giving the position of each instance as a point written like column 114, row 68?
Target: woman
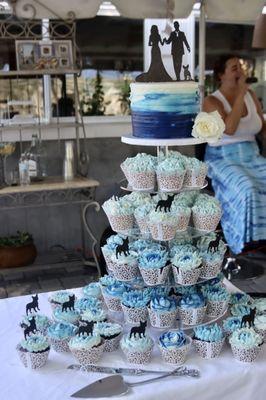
column 157, row 71
column 237, row 170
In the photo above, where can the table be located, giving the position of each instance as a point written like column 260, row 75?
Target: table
column 223, row 378
column 54, row 191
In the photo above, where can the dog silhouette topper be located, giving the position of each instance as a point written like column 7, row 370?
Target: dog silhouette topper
column 214, row 244
column 165, row 204
column 33, row 305
column 31, row 328
column 122, row 248
column 70, row 304
column 86, row 330
column 140, row 330
column 249, row 318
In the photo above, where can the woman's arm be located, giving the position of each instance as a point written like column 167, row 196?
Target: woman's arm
column 259, row 111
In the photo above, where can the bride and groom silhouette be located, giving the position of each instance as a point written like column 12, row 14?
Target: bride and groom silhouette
column 157, row 71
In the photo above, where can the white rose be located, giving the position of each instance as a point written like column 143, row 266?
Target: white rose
column 208, row 126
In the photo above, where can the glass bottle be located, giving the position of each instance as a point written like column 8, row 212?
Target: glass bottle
column 36, row 156
column 24, row 176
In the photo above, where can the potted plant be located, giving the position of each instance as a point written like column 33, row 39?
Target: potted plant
column 17, row 250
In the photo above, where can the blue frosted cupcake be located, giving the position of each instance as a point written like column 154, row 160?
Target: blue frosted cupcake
column 111, row 334
column 212, row 263
column 162, row 225
column 93, row 289
column 42, row 322
column 134, row 305
column 87, row 349
column 231, row 324
column 120, row 214
column 141, row 214
column 93, row 315
column 59, row 335
column 137, row 349
column 186, row 267
column 174, row 346
column 56, row 299
column 154, row 266
column 162, row 312
column 125, row 266
column 192, row 308
column 33, row 351
column 86, row 303
column 196, row 172
column 109, row 249
column 260, row 304
column 239, row 298
column 208, row 340
column 217, row 300
column 69, row 316
column 140, row 171
column 170, row 174
column 206, row 213
column 113, row 294
column 246, row 344
column 239, row 310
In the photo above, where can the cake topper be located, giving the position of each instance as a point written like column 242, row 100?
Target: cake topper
column 214, row 244
column 88, row 329
column 122, row 248
column 139, row 329
column 33, row 305
column 157, row 71
column 166, row 204
column 249, row 318
column 30, row 328
column 69, row 304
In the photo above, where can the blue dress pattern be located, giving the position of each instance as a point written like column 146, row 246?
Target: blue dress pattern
column 238, row 175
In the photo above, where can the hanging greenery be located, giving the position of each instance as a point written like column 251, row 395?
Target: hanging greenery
column 94, row 105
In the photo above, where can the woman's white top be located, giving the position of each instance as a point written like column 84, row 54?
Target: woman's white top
column 248, row 126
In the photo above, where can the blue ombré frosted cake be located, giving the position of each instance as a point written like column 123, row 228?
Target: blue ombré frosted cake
column 164, row 110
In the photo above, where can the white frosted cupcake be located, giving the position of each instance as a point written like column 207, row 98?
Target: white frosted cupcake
column 33, row 351
column 120, row 214
column 87, row 349
column 42, row 322
column 196, row 172
column 208, row 340
column 162, row 225
column 170, row 174
column 93, row 315
column 92, row 290
column 174, row 346
column 68, row 316
column 246, row 344
column 109, row 249
column 56, row 299
column 186, row 267
column 138, row 349
column 206, row 213
column 140, row 171
column 125, row 266
column 141, row 214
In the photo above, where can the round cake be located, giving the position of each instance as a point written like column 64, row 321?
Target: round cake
column 164, row 110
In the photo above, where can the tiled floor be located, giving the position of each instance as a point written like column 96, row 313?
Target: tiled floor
column 70, row 273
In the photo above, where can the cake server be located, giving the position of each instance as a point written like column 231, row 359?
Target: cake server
column 115, row 385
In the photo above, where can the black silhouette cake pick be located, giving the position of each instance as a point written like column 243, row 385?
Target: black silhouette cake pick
column 214, row 244
column 140, row 330
column 157, row 71
column 69, row 305
column 31, row 328
column 122, row 248
column 249, row 318
column 165, row 204
column 86, row 330
column 33, row 305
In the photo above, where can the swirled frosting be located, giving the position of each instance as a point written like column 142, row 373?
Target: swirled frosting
column 181, row 239
column 216, row 293
column 194, row 164
column 187, row 261
column 245, row 338
column 184, row 290
column 70, row 316
column 260, row 322
column 239, row 298
column 118, row 206
column 42, row 321
column 159, row 291
column 111, row 244
column 61, row 330
column 168, row 218
column 208, row 333
column 129, row 258
column 85, row 342
column 192, row 300
column 153, row 259
column 204, row 241
column 92, row 290
column 210, row 258
column 136, row 343
column 117, row 289
column 86, row 303
column 182, row 249
column 107, row 280
column 172, row 339
column 208, row 208
column 107, row 329
column 35, row 343
column 186, row 199
column 94, row 314
column 137, row 198
column 163, row 304
column 60, row 297
column 142, row 162
column 230, row 324
column 143, row 210
column 260, row 305
column 171, row 165
column 135, row 299
column 239, row 310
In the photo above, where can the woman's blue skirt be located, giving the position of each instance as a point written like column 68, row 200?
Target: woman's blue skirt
column 238, row 175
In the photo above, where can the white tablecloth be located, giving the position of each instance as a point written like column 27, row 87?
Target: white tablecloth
column 222, row 378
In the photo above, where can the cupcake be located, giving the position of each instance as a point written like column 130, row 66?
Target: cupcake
column 33, row 351
column 137, row 348
column 140, row 171
column 178, row 250
column 42, row 322
column 208, row 340
column 217, row 300
column 134, row 305
column 154, row 266
column 206, row 214
column 162, row 225
column 86, row 303
column 162, row 312
column 69, row 316
column 182, row 214
column 110, row 333
column 120, row 214
column 245, row 344
column 125, row 266
column 174, row 346
column 170, row 174
column 57, row 299
column 92, row 290
column 106, row 280
column 109, row 249
column 93, row 315
column 59, row 335
column 231, row 324
column 260, row 325
column 113, row 294
column 87, row 349
column 260, row 304
column 239, row 298
column 239, row 310
column 211, row 264
column 192, row 308
column 186, row 267
column 196, row 172
column 141, row 215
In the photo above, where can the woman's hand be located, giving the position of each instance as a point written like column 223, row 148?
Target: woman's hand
column 242, row 86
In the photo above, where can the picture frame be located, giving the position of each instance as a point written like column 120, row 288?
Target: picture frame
column 44, row 55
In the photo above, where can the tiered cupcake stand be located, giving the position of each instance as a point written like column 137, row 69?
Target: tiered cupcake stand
column 162, row 146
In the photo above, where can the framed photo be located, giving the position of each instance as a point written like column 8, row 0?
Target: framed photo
column 44, row 55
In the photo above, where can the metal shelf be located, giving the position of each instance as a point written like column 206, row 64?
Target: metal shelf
column 6, row 74
column 130, row 139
